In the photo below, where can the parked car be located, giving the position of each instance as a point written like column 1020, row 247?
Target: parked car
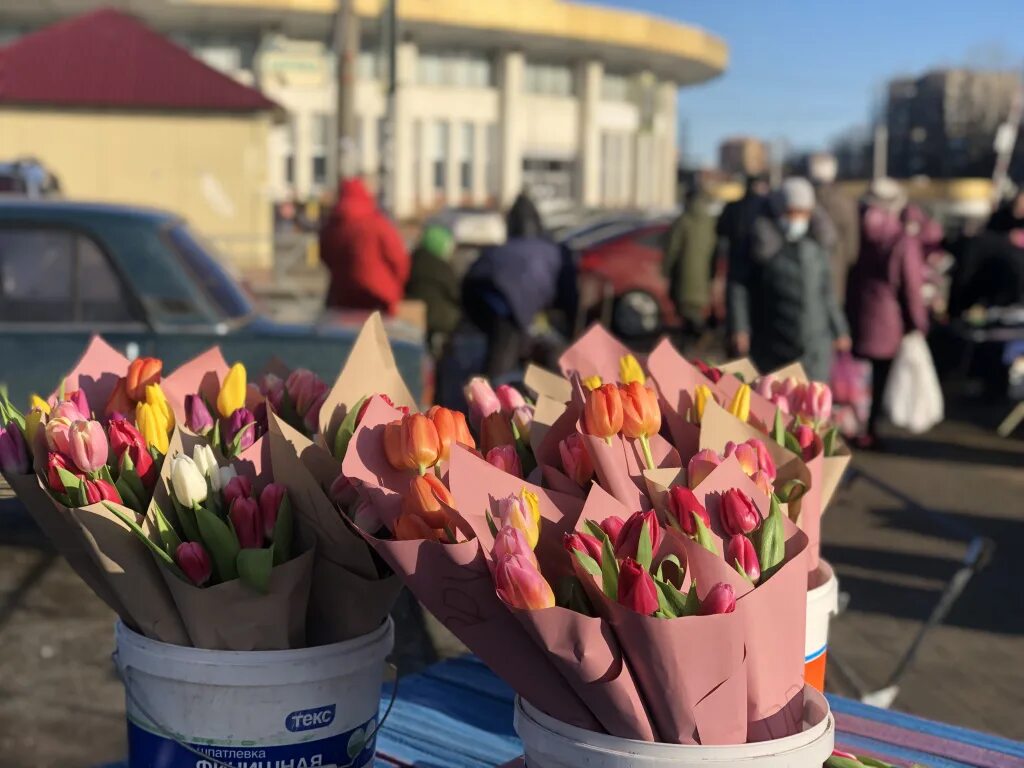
column 144, row 280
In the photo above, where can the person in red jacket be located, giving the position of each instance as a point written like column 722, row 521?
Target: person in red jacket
column 367, row 259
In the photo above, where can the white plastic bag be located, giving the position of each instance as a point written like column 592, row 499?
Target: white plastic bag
column 913, row 397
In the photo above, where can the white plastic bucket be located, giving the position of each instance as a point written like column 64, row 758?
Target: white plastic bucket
column 822, row 604
column 258, row 709
column 549, row 743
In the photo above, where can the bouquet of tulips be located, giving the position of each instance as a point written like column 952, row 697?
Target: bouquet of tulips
column 502, row 419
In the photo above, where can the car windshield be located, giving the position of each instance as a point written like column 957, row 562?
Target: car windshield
column 217, row 285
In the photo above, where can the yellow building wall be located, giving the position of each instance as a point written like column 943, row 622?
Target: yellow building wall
column 210, row 169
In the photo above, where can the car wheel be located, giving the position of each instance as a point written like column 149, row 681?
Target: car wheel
column 636, row 313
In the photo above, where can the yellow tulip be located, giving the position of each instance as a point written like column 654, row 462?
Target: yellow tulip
column 740, row 405
column 232, row 391
column 155, row 397
column 153, row 426
column 701, row 396
column 37, row 403
column 533, row 505
column 592, row 382
column 630, row 370
column 33, row 421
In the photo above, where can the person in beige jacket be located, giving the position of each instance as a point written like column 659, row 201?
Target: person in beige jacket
column 842, row 210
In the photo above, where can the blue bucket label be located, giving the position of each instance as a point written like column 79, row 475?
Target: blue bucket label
column 310, row 719
column 344, row 750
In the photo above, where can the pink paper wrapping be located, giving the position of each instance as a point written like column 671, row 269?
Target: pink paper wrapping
column 381, row 485
column 620, row 466
column 762, row 410
column 202, row 375
column 549, row 459
column 96, row 373
column 676, row 380
column 596, row 352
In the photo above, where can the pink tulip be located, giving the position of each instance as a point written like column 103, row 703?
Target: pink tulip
column 245, row 519
column 684, row 506
column 57, row 431
column 14, row 458
column 583, row 542
column 763, row 483
column 628, row 542
column 194, row 560
column 69, row 410
column 612, row 526
column 741, row 555
column 512, row 541
column 765, row 462
column 522, row 417
column 271, row 499
column 765, row 386
column 701, row 465
column 745, row 455
column 88, row 446
column 817, row 402
column 521, row 585
column 80, row 401
column 720, row 599
column 575, row 459
column 505, row 458
column 238, row 487
column 517, row 512
column 781, row 402
column 510, row 399
column 482, row 400
column 739, row 515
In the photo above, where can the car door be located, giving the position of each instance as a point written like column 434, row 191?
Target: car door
column 58, row 287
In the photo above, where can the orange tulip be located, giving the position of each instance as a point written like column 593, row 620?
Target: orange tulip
column 412, row 528
column 496, row 431
column 421, row 446
column 602, row 412
column 142, row 372
column 119, row 402
column 393, row 445
column 451, row 429
column 428, row 499
column 641, row 414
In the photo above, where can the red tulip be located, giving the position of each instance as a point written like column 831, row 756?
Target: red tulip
column 519, row 583
column 810, row 443
column 575, row 459
column 683, row 506
column 245, row 518
column 741, row 555
column 495, row 431
column 739, row 514
column 55, row 461
column 637, row 590
column 142, row 372
column 583, row 542
column 720, row 599
column 641, row 414
column 238, row 487
column 271, row 499
column 602, row 411
column 101, row 490
column 194, row 560
column 429, row 499
column 342, row 491
column 612, row 526
column 505, row 458
column 628, row 540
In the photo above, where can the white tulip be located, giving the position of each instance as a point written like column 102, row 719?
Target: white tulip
column 203, row 456
column 187, row 481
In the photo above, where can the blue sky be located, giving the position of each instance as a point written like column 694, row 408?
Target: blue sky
column 807, row 70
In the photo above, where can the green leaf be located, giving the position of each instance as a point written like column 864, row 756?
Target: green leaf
column 283, row 531
column 792, row 490
column 491, row 525
column 127, row 471
column 739, row 569
column 127, row 493
column 571, row 595
column 674, row 561
column 665, row 609
column 704, row 537
column 215, row 432
column 168, row 535
column 71, row 481
column 692, row 600
column 596, row 530
column 609, row 570
column 104, row 473
column 829, row 442
column 644, row 555
column 779, row 428
column 254, row 567
column 161, row 555
column 771, row 545
column 842, row 762
column 221, row 542
column 793, row 444
column 674, row 599
column 187, row 519
column 346, row 430
column 873, row 763
column 590, row 565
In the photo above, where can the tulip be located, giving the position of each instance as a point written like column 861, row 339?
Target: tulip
column 745, row 455
column 630, row 371
column 155, row 397
column 685, row 508
column 421, row 445
column 451, row 429
column 195, row 561
column 575, row 459
column 739, row 515
column 740, row 405
column 152, row 426
column 792, row 391
column 522, row 419
column 495, row 431
column 35, row 402
column 810, row 443
column 585, row 543
column 14, row 459
column 592, row 382
column 602, row 412
column 80, row 401
column 119, row 402
column 204, row 458
column 343, row 492
column 272, row 497
column 430, row 499
column 817, row 402
column 304, row 389
column 709, row 371
column 238, row 487
column 505, row 458
column 413, row 527
column 512, row 541
column 637, row 590
column 101, row 490
column 741, row 555
column 641, row 414
column 701, row 396
column 521, row 585
column 781, row 402
column 54, row 462
column 241, row 426
column 383, row 396
column 69, row 410
column 627, row 543
column 125, row 438
column 187, row 481
column 612, row 527
column 702, row 464
column 34, row 421
column 483, row 401
column 765, row 462
column 245, row 519
column 271, row 387
column 763, row 483
column 721, row 598
column 765, row 386
column 232, row 391
column 58, row 430
column 510, row 398
column 392, row 440
column 88, row 446
column 521, row 512
column 142, row 372
column 198, row 418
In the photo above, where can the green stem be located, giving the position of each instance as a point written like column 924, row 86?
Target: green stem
column 422, row 470
column 645, row 443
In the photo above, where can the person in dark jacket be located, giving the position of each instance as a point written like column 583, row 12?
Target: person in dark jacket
column 990, row 270
column 523, row 216
column 434, row 282
column 364, row 253
column 508, row 285
column 734, row 229
column 781, row 305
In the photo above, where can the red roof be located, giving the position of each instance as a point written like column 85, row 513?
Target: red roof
column 109, row 59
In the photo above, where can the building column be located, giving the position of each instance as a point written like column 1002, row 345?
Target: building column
column 668, row 129
column 405, row 153
column 589, row 76
column 480, row 164
column 643, row 155
column 511, row 71
column 453, row 189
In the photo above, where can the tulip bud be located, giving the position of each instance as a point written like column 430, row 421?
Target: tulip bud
column 237, row 487
column 781, row 402
column 305, row 389
column 592, row 382
column 602, row 412
column 14, row 459
column 206, row 461
column 715, row 374
column 745, row 455
column 765, row 386
column 521, row 585
column 80, row 401
column 271, row 387
column 512, row 541
column 739, row 515
column 630, row 371
column 496, row 431
column 721, row 598
column 585, row 543
column 742, row 556
column 241, row 426
column 810, row 443
column 35, row 402
column 421, row 445
column 451, row 429
column 245, row 519
column 58, row 430
column 232, row 391
column 505, row 458
column 740, row 405
column 151, row 424
column 522, row 418
column 817, row 402
column 612, row 526
column 430, row 499
column 483, row 401
column 101, row 490
column 87, row 446
column 765, row 462
column 763, row 483
column 684, row 507
column 637, row 590
column 413, row 527
column 510, row 398
column 627, row 543
column 702, row 464
column 519, row 512
column 393, row 448
column 156, row 398
column 273, row 496
column 198, row 418
column 142, row 372
column 119, row 402
column 641, row 414
column 194, row 561
column 576, row 460
column 54, row 462
column 702, row 395
column 187, row 481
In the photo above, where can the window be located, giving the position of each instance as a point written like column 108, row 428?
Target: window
column 319, row 141
column 289, row 151
column 462, row 69
column 439, row 155
column 548, row 79
column 614, row 87
column 54, row 275
column 368, row 64
column 468, row 152
column 215, row 283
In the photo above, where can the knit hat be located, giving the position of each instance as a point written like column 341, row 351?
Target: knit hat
column 438, row 241
column 797, row 194
column 886, row 193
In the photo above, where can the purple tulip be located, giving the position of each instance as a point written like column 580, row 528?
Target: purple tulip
column 241, row 423
column 197, row 415
column 13, row 451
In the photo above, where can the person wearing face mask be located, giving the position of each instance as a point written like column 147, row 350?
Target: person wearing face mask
column 782, row 307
